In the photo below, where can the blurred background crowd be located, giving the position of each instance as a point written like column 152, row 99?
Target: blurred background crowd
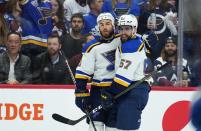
column 51, row 34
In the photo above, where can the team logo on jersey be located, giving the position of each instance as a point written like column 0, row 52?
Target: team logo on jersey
column 45, row 12
column 110, row 57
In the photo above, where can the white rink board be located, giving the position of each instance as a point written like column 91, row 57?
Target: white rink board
column 61, row 101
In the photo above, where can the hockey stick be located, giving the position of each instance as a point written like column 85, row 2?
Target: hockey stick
column 74, row 82
column 65, row 120
column 68, row 67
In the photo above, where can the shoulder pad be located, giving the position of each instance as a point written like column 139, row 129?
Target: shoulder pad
column 133, row 45
column 89, row 45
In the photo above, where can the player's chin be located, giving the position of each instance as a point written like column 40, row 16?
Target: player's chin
column 106, row 35
column 124, row 39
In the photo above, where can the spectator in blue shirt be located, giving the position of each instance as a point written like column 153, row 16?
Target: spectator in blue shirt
column 90, row 19
column 126, row 7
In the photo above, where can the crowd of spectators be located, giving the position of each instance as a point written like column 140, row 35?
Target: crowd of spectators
column 48, row 27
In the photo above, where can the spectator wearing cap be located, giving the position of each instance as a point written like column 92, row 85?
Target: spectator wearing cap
column 168, row 76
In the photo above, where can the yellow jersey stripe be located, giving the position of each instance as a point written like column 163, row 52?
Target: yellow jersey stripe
column 101, row 84
column 141, row 47
column 24, row 42
column 81, row 76
column 93, row 45
column 117, row 35
column 82, row 94
column 133, row 36
column 121, row 82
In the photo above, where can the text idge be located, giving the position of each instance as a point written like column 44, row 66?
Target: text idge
column 25, row 111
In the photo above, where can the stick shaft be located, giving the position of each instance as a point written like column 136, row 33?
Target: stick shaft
column 74, row 122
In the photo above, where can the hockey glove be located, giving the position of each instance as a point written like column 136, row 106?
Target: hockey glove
column 107, row 100
column 82, row 99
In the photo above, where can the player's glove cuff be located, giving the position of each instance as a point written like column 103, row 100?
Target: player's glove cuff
column 82, row 93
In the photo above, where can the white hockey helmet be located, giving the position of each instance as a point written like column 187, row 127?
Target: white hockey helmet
column 105, row 16
column 129, row 20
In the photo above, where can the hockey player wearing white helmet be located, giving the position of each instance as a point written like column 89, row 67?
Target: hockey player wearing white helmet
column 106, row 27
column 130, row 70
column 97, row 65
column 127, row 25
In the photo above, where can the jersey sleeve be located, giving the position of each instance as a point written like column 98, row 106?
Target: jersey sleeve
column 85, row 69
column 134, row 9
column 83, row 73
column 39, row 13
column 162, row 78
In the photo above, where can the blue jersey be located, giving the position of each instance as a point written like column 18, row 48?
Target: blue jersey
column 107, row 7
column 90, row 24
column 37, row 22
column 90, row 19
column 124, row 8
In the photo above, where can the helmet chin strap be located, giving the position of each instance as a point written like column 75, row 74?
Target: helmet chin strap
column 134, row 31
column 104, row 39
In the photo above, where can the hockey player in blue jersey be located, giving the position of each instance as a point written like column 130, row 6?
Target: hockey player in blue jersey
column 97, row 65
column 130, row 70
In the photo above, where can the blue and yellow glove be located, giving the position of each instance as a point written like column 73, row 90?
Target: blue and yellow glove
column 107, row 100
column 107, row 95
column 82, row 99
